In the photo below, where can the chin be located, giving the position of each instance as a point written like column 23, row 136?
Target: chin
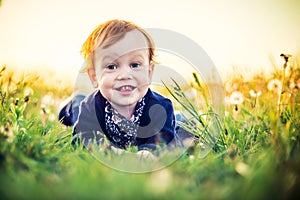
column 128, row 103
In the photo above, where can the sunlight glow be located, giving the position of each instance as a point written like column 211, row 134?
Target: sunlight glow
column 49, row 34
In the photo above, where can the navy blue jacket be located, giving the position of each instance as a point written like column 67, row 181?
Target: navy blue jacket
column 157, row 123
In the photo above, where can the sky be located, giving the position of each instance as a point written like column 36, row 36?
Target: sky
column 48, row 34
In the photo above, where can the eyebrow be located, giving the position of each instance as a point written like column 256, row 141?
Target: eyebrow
column 113, row 56
column 136, row 54
column 110, row 58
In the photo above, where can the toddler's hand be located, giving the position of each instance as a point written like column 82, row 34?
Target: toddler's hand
column 117, row 150
column 145, row 154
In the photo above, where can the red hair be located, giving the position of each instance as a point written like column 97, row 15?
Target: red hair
column 110, row 32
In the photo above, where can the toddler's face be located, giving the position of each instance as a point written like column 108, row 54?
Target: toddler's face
column 123, row 70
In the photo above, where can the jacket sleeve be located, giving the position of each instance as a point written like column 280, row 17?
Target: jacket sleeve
column 86, row 128
column 167, row 133
column 160, row 129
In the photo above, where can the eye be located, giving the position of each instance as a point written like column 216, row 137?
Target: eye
column 135, row 65
column 111, row 67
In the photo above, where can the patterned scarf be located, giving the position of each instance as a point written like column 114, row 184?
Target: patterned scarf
column 120, row 131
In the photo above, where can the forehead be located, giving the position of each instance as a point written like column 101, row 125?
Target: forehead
column 132, row 41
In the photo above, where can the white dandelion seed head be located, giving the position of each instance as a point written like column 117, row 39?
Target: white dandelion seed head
column 255, row 94
column 252, row 93
column 236, row 98
column 274, row 85
column 28, row 91
column 47, row 100
column 228, row 87
column 192, row 158
column 235, row 86
column 259, row 93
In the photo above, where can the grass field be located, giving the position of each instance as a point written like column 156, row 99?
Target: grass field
column 257, row 155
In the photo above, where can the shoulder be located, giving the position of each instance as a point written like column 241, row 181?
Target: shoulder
column 89, row 99
column 158, row 119
column 88, row 102
column 157, row 108
column 87, row 117
column 154, row 97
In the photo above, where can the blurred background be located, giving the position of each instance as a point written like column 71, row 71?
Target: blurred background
column 246, row 36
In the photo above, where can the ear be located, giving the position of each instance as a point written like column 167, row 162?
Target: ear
column 92, row 75
column 151, row 70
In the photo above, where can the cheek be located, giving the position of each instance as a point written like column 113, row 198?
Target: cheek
column 144, row 79
column 105, row 88
column 105, row 78
column 105, row 83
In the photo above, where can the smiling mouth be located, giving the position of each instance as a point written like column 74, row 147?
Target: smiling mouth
column 125, row 88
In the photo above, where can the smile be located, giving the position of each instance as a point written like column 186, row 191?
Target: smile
column 125, row 88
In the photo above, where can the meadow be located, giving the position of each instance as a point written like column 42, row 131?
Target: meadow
column 256, row 156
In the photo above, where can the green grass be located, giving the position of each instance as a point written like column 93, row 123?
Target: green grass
column 257, row 155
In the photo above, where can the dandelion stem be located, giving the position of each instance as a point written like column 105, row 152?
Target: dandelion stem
column 281, row 90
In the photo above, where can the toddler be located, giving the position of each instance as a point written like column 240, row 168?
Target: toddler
column 120, row 63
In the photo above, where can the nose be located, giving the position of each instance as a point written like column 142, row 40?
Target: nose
column 124, row 73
